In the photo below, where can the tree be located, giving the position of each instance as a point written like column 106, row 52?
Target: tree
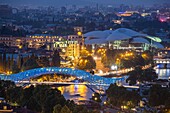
column 19, row 61
column 118, row 96
column 80, row 109
column 131, row 59
column 4, row 86
column 47, row 98
column 4, row 61
column 109, row 58
column 39, row 99
column 11, row 62
column 8, row 64
column 94, row 111
column 31, row 63
column 96, row 97
column 65, row 109
column 22, row 60
column 141, row 75
column 32, row 104
column 86, row 63
column 134, row 75
column 43, row 62
column 1, row 63
column 13, row 94
column 57, row 108
column 159, row 95
column 139, row 61
column 27, row 97
column 70, row 104
column 148, row 57
column 15, row 68
column 56, row 59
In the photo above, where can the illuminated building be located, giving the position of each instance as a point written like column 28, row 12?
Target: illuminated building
column 126, row 13
column 34, row 41
column 78, row 29
column 74, row 47
column 145, row 14
column 70, row 45
column 122, row 38
column 12, row 41
column 38, row 40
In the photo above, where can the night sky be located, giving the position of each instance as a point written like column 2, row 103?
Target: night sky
column 58, row 3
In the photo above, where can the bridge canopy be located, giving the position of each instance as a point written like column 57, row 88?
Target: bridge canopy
column 26, row 75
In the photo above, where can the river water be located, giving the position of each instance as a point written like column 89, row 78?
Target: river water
column 82, row 92
column 76, row 92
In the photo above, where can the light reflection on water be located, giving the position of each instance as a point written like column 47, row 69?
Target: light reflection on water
column 76, row 92
column 163, row 73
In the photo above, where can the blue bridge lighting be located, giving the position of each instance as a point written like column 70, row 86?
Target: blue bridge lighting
column 80, row 74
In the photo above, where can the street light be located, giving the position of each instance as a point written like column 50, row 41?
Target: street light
column 79, row 33
column 118, row 64
column 114, row 67
column 95, row 57
column 118, row 61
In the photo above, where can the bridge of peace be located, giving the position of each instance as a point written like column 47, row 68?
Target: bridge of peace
column 24, row 77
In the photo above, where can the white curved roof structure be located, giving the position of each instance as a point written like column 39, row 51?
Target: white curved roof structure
column 102, row 37
column 156, row 39
column 140, row 40
column 95, row 41
column 123, row 33
column 96, row 37
column 108, row 32
column 97, row 34
column 158, row 45
column 117, row 36
column 129, row 32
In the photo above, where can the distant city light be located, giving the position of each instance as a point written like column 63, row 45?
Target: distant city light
column 162, row 19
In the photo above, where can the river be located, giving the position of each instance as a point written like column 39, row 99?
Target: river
column 76, row 92
column 82, row 92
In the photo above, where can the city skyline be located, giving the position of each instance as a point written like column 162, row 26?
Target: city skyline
column 85, row 56
column 56, row 3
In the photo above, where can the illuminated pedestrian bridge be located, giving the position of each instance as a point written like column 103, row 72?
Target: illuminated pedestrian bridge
column 80, row 74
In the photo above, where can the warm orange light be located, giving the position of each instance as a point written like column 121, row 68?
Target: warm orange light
column 79, row 33
column 19, row 47
column 8, row 72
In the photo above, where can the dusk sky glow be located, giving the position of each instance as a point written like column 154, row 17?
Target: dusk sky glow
column 58, row 3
